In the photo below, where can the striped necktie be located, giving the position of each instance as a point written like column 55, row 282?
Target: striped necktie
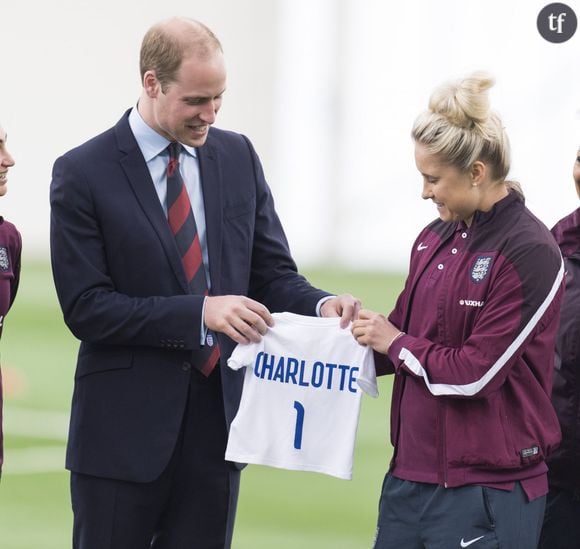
column 184, row 229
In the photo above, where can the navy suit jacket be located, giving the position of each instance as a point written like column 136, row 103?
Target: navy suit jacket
column 123, row 291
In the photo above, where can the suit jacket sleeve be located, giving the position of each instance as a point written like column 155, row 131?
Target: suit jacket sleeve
column 93, row 307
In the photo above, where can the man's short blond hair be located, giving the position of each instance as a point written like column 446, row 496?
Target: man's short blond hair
column 167, row 43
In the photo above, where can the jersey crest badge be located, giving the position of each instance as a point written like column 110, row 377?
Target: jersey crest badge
column 4, row 261
column 481, row 268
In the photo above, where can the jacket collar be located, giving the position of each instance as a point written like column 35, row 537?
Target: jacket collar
column 135, row 168
column 513, row 199
column 567, row 234
column 211, row 182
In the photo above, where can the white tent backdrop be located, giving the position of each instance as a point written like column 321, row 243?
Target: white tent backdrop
column 326, row 89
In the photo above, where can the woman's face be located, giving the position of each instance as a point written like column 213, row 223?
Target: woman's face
column 450, row 189
column 576, row 173
column 6, row 161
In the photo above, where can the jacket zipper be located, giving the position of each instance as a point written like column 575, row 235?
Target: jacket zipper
column 442, row 441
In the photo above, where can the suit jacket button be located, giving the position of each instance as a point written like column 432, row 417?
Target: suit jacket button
column 186, row 366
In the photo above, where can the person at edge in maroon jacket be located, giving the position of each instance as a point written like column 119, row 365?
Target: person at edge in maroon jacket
column 10, row 247
column 561, row 522
column 471, row 344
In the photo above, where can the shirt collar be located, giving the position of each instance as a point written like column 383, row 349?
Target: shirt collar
column 150, row 142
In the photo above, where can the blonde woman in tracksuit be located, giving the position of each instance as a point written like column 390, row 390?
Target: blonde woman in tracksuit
column 471, row 344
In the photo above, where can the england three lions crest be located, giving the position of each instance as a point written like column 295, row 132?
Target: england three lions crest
column 480, row 268
column 4, row 261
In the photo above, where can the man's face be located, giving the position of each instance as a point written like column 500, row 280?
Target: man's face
column 188, row 106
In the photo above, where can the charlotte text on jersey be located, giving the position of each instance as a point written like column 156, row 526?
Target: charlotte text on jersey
column 329, row 376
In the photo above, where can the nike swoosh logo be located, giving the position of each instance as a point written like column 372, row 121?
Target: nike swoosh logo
column 421, row 247
column 470, row 542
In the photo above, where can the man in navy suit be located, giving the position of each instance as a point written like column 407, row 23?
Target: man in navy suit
column 148, row 429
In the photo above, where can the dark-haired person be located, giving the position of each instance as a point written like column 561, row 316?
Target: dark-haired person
column 166, row 252
column 10, row 250
column 470, row 342
column 561, row 522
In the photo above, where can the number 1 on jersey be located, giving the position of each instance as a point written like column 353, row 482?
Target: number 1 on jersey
column 299, row 424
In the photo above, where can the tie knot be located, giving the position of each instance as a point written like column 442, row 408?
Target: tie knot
column 174, row 150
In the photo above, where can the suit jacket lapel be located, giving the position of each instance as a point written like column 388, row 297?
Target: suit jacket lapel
column 212, row 198
column 139, row 178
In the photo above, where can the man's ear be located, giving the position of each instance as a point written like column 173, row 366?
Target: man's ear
column 151, row 85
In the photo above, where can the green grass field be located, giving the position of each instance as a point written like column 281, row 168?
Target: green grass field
column 277, row 509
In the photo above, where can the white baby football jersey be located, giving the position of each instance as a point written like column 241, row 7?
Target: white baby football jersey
column 301, row 398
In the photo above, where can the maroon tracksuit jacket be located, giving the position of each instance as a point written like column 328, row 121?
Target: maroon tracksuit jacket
column 565, row 462
column 474, row 372
column 10, row 248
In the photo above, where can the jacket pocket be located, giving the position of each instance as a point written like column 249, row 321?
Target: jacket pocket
column 103, row 360
column 479, row 434
column 242, row 208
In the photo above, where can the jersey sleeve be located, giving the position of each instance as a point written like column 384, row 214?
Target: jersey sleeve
column 367, row 380
column 243, row 355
